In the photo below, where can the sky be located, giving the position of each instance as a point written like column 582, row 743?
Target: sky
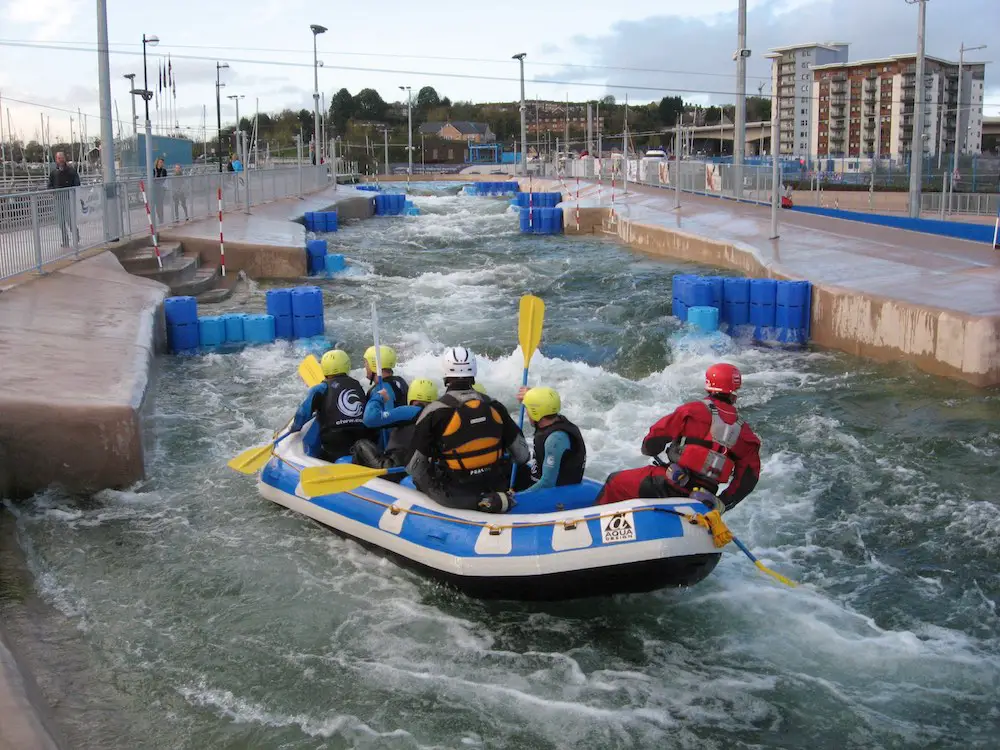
column 48, row 57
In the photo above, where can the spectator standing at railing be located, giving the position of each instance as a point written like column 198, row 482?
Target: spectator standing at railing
column 178, row 192
column 63, row 177
column 159, row 183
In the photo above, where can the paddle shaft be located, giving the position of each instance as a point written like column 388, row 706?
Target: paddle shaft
column 383, row 437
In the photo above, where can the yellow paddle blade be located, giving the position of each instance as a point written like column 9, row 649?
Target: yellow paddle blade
column 776, row 576
column 531, row 315
column 310, row 371
column 329, row 480
column 251, row 460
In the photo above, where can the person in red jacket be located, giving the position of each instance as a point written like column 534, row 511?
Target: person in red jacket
column 707, row 445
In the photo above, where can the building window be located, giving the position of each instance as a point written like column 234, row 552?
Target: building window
column 803, row 111
column 805, row 88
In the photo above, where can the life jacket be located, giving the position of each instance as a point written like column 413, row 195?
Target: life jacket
column 471, row 444
column 343, row 405
column 400, row 388
column 400, row 443
column 709, row 456
column 574, row 461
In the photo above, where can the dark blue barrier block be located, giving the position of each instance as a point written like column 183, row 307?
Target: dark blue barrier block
column 315, row 264
column 178, row 310
column 309, row 219
column 699, row 293
column 182, row 337
column 717, row 289
column 790, row 317
column 259, row 329
column 211, row 331
column 380, row 201
column 305, row 326
column 525, row 219
column 735, row 290
column 972, row 232
column 792, row 307
column 307, row 300
column 283, row 326
column 330, row 221
column 316, row 247
column 735, row 313
column 234, row 328
column 762, row 315
column 793, row 293
column 763, row 291
column 279, row 302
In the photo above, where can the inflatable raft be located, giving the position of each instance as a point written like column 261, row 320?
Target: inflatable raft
column 555, row 544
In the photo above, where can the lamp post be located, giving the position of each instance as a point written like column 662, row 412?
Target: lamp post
column 316, row 30
column 131, row 85
column 958, row 109
column 917, row 145
column 218, row 107
column 152, row 41
column 740, row 121
column 524, row 121
column 409, row 131
column 111, row 214
column 236, row 98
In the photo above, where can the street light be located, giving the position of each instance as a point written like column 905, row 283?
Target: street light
column 236, row 98
column 130, row 77
column 917, row 144
column 316, row 30
column 218, row 107
column 409, row 133
column 152, row 41
column 524, row 121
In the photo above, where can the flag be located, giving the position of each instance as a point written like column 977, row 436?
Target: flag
column 159, row 76
column 170, row 72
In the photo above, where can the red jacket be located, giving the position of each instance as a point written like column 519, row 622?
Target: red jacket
column 694, row 419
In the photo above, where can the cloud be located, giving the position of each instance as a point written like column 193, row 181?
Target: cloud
column 47, row 19
column 699, row 51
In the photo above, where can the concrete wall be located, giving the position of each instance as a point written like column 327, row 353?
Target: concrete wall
column 76, row 347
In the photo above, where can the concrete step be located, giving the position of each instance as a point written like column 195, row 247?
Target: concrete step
column 224, row 288
column 144, row 258
column 204, row 279
column 177, row 270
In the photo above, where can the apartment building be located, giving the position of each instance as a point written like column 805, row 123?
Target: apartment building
column 867, row 108
column 792, row 78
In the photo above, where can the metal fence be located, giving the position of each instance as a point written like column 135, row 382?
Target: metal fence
column 37, row 228
column 975, row 204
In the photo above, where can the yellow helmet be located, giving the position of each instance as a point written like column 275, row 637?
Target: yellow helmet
column 388, row 355
column 423, row 389
column 541, row 402
column 480, row 388
column 335, row 362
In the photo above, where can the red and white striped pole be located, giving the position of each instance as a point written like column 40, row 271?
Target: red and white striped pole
column 578, row 204
column 149, row 218
column 600, row 181
column 531, row 206
column 222, row 244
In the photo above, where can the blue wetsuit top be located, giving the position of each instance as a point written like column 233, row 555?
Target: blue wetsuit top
column 378, row 413
column 309, row 406
column 556, row 445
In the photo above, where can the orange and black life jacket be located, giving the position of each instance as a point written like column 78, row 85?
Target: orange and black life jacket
column 471, row 444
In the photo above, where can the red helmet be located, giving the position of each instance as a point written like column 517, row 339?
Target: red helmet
column 723, row 378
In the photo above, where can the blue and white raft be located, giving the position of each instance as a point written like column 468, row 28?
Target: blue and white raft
column 554, row 545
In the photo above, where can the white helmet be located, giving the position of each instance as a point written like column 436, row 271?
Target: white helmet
column 459, row 362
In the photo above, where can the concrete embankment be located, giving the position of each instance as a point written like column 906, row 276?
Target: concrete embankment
column 21, row 727
column 270, row 242
column 883, row 293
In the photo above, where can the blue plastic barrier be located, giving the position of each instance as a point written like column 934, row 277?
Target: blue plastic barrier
column 762, row 298
column 699, row 294
column 279, row 304
column 179, row 310
column 330, row 221
column 234, row 328
column 334, row 263
column 309, row 219
column 182, row 337
column 259, row 329
column 705, row 319
column 958, row 230
column 307, row 312
column 211, row 331
column 735, row 301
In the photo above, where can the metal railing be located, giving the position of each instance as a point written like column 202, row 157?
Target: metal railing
column 38, row 228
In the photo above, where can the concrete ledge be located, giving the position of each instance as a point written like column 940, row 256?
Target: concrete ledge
column 21, row 727
column 77, row 346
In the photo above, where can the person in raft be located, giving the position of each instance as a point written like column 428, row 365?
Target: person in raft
column 380, row 413
column 338, row 402
column 559, row 453
column 388, row 356
column 707, row 445
column 459, row 442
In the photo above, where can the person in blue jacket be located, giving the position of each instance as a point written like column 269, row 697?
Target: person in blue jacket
column 560, row 455
column 338, row 403
column 382, row 412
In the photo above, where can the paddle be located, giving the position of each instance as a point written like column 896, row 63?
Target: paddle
column 252, row 460
column 329, row 480
column 310, row 371
column 760, row 566
column 530, row 317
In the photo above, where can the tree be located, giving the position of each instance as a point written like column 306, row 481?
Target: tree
column 33, row 152
column 669, row 109
column 307, row 123
column 608, row 101
column 368, row 105
column 758, row 108
column 713, row 115
column 427, row 98
column 446, row 102
column 341, row 110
